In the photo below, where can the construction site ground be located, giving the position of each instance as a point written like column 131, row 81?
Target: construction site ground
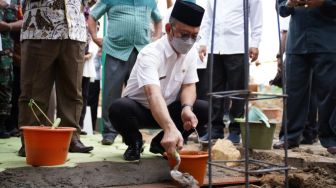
column 311, row 166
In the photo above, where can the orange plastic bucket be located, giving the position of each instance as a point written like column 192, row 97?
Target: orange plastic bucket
column 45, row 146
column 192, row 162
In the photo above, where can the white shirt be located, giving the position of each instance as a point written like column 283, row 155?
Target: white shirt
column 229, row 26
column 89, row 69
column 284, row 23
column 159, row 64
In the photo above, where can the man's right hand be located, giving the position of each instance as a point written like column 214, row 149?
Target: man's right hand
column 98, row 41
column 172, row 140
column 202, row 52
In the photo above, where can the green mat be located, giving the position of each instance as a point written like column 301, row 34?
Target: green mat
column 10, row 147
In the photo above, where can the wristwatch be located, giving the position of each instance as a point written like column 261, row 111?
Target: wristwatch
column 185, row 105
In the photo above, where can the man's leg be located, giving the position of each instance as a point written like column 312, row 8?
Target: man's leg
column 37, row 79
column 69, row 72
column 128, row 117
column 298, row 70
column 93, row 101
column 235, row 75
column 202, row 87
column 309, row 134
column 116, row 73
column 12, row 121
column 219, row 84
column 6, row 80
column 85, row 94
column 324, row 74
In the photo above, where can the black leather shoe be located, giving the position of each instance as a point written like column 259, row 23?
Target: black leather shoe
column 332, row 150
column 133, row 151
column 4, row 134
column 281, row 145
column 308, row 141
column 107, row 141
column 156, row 148
column 22, row 152
column 76, row 146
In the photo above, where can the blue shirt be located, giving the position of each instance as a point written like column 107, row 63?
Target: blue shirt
column 128, row 25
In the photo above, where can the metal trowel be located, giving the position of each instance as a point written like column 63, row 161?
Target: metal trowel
column 185, row 180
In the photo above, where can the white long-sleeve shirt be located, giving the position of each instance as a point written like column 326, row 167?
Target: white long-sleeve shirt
column 229, row 26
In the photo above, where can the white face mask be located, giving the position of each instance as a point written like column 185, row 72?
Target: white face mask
column 182, row 46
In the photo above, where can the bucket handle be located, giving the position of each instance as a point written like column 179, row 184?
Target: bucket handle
column 32, row 103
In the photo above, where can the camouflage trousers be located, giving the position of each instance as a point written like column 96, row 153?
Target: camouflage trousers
column 6, row 79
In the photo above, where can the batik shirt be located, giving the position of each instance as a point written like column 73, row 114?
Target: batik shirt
column 54, row 20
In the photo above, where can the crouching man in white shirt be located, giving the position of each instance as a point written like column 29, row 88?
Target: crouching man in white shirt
column 161, row 92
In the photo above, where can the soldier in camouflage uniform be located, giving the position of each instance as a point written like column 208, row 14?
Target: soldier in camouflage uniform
column 8, row 22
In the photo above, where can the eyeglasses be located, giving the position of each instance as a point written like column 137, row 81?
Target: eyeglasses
column 186, row 36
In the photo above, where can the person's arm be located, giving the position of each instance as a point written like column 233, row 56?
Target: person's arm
column 157, row 30
column 188, row 97
column 169, row 3
column 172, row 139
column 256, row 20
column 14, row 26
column 156, row 16
column 92, row 26
column 96, row 13
column 205, row 30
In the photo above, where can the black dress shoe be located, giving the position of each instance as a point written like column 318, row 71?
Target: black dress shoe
column 22, row 152
column 133, row 151
column 281, row 145
column 76, row 146
column 83, row 132
column 332, row 150
column 4, row 134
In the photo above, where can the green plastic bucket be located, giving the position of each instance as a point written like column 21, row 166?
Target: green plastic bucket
column 261, row 137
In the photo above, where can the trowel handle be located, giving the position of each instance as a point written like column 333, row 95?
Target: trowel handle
column 177, row 157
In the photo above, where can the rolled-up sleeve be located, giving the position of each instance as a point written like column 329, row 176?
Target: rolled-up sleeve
column 98, row 10
column 256, row 19
column 156, row 16
column 147, row 72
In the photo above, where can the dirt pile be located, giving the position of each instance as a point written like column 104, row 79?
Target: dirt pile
column 311, row 177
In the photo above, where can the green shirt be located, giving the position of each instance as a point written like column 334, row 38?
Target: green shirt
column 128, row 25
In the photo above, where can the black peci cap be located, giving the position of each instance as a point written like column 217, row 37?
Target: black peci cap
column 188, row 13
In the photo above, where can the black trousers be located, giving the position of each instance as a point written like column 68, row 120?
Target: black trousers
column 85, row 94
column 228, row 74
column 93, row 100
column 128, row 116
column 310, row 131
column 12, row 121
column 298, row 69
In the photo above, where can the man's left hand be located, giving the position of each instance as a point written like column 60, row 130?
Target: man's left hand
column 189, row 119
column 253, row 53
